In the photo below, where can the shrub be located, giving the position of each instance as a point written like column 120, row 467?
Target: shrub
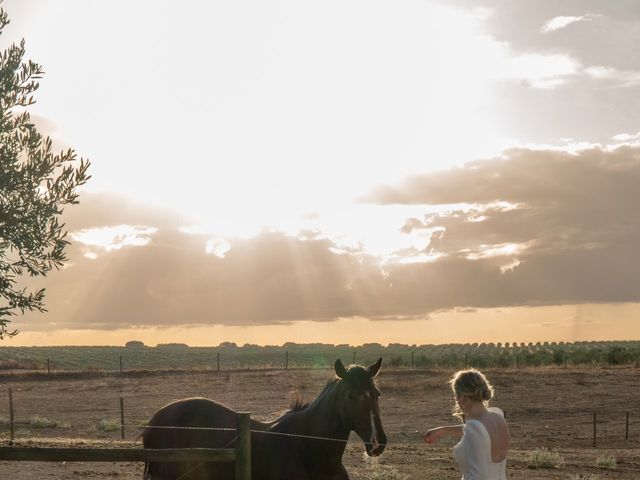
column 606, row 461
column 544, row 458
column 108, row 425
column 41, row 422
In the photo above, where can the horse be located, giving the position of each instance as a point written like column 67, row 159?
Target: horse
column 306, row 443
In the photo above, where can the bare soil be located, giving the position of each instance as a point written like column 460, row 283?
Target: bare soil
column 546, row 408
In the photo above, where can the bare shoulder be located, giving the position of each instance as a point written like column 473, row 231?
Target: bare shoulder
column 496, row 410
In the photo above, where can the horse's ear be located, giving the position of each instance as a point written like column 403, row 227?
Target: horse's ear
column 341, row 372
column 374, row 368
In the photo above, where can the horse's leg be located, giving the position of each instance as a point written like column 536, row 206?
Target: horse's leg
column 160, row 471
column 341, row 475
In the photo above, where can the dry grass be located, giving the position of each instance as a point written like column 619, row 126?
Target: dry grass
column 544, row 458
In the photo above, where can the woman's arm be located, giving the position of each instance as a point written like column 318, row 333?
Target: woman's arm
column 434, row 434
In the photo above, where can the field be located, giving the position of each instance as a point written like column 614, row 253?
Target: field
column 317, row 355
column 546, row 408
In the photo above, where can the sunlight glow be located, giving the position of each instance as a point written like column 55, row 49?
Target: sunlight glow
column 218, row 247
column 487, row 251
column 509, row 266
column 557, row 23
column 540, row 71
column 562, row 323
column 116, row 237
column 421, row 258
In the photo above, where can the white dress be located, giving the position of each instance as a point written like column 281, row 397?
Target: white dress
column 473, row 453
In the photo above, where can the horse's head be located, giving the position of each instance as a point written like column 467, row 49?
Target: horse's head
column 358, row 406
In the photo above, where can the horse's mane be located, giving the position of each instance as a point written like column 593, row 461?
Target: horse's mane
column 297, row 403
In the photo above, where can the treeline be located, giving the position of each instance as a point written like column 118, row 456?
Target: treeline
column 228, row 355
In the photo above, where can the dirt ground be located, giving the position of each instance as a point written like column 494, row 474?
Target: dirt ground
column 545, row 408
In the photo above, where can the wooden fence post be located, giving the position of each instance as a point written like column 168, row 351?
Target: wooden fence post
column 466, row 360
column 354, row 358
column 218, row 361
column 626, row 428
column 286, row 359
column 411, row 358
column 11, row 424
column 122, row 418
column 121, row 365
column 243, row 447
column 594, row 430
column 48, row 367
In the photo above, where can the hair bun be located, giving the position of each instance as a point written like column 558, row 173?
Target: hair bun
column 481, row 393
column 487, row 393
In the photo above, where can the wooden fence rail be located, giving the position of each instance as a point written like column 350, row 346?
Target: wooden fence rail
column 36, row 454
column 241, row 454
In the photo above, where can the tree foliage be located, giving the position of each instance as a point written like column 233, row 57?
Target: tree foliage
column 35, row 186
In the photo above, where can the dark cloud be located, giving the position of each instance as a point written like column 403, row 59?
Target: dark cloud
column 269, row 278
column 105, row 209
column 574, row 217
column 581, row 109
column 605, row 39
column 583, row 106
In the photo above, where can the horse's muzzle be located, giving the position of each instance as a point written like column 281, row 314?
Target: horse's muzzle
column 376, row 446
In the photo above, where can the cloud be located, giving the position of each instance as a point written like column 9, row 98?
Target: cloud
column 567, row 235
column 612, row 77
column 175, row 277
column 114, row 238
column 607, row 31
column 631, row 138
column 531, row 227
column 539, row 71
column 557, row 23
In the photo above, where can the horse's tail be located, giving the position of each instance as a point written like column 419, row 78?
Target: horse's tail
column 147, row 474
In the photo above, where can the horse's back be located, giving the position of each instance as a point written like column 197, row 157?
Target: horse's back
column 190, row 423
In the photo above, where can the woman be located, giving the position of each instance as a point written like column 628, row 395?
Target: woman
column 481, row 454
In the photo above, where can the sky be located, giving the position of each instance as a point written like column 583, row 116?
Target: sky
column 343, row 172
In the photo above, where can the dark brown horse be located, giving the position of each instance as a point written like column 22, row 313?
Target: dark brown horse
column 306, row 443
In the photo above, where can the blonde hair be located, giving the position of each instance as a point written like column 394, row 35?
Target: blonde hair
column 473, row 384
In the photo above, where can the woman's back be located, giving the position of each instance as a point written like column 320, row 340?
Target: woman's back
column 481, row 453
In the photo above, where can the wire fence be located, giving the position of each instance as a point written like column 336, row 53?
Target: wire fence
column 108, row 410
column 140, row 357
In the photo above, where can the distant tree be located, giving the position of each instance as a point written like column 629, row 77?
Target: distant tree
column 35, row 185
column 134, row 344
column 395, row 361
column 172, row 345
